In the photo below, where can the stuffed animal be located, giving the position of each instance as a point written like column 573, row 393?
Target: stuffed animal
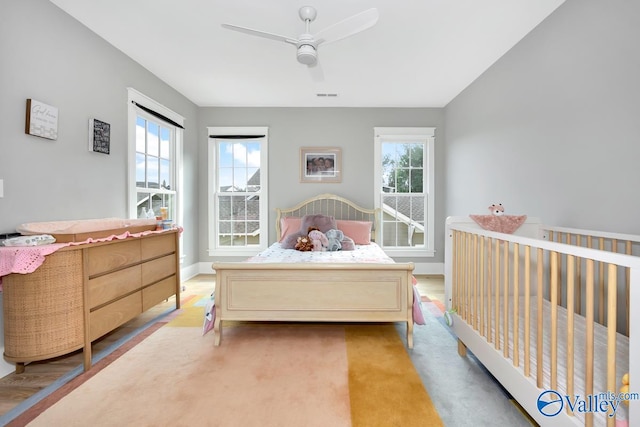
column 496, row 209
column 625, row 386
column 304, row 244
column 335, row 237
column 319, row 240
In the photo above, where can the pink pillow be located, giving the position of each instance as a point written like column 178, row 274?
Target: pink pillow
column 289, row 225
column 359, row 231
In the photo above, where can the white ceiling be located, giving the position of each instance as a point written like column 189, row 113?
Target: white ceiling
column 421, row 53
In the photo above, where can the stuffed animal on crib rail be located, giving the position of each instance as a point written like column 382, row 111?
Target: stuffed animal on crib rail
column 335, row 237
column 625, row 386
column 304, row 244
column 496, row 209
column 319, row 240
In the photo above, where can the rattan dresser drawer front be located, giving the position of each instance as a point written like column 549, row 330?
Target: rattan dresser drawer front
column 158, row 269
column 109, row 317
column 156, row 246
column 158, row 292
column 112, row 256
column 108, row 287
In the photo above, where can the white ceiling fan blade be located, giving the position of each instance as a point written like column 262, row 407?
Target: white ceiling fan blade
column 261, row 34
column 347, row 27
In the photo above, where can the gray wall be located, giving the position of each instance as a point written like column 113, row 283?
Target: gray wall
column 553, row 128
column 50, row 57
column 351, row 129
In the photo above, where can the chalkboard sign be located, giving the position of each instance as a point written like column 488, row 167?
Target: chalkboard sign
column 99, row 136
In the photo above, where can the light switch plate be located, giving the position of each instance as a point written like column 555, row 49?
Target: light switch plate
column 1, row 187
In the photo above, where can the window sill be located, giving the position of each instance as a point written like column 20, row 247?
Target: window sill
column 410, row 253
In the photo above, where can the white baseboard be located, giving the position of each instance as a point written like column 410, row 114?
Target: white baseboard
column 429, row 268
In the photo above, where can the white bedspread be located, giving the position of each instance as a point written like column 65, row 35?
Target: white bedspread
column 371, row 253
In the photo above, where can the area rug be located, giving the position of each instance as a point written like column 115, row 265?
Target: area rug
column 263, row 374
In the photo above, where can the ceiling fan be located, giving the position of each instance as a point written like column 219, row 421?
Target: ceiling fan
column 307, row 44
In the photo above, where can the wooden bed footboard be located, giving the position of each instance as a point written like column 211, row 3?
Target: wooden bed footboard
column 314, row 292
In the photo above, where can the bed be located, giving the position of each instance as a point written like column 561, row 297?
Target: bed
column 341, row 286
column 547, row 311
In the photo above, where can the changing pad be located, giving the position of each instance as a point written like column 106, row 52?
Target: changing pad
column 80, row 230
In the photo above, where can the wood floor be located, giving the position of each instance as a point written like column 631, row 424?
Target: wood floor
column 15, row 388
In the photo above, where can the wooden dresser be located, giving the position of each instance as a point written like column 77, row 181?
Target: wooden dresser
column 81, row 293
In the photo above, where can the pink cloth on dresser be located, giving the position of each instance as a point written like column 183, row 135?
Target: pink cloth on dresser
column 26, row 259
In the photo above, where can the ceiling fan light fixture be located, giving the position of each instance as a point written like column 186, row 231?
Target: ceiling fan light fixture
column 307, row 54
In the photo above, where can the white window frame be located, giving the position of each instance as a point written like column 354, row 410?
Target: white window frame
column 176, row 154
column 212, row 189
column 425, row 135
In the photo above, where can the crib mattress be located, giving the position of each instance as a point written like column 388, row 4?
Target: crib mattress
column 579, row 360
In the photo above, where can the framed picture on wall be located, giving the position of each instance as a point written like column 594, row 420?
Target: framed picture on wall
column 42, row 120
column 320, row 164
column 99, row 136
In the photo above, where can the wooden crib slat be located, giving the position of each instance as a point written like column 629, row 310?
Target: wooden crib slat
column 516, row 304
column 505, row 300
column 476, row 308
column 489, row 285
column 554, row 319
column 612, row 284
column 601, row 284
column 539, row 329
column 627, row 281
column 578, row 303
column 469, row 301
column 481, row 286
column 497, row 294
column 589, row 318
column 570, row 324
column 455, row 269
column 527, row 311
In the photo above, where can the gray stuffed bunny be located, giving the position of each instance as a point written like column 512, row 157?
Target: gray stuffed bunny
column 335, row 237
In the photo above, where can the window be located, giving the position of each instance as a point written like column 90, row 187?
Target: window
column 155, row 151
column 404, row 175
column 238, row 220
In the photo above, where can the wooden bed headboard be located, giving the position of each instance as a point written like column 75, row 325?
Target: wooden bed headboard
column 330, row 204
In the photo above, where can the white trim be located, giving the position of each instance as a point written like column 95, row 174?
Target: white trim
column 213, row 249
column 133, row 112
column 426, row 134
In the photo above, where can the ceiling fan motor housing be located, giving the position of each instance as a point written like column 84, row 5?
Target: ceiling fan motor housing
column 307, row 54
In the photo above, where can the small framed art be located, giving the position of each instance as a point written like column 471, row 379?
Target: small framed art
column 320, row 164
column 99, row 136
column 42, row 120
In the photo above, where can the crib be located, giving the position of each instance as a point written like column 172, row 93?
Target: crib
column 553, row 313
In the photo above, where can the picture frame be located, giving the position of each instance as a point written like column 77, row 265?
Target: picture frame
column 41, row 120
column 99, row 136
column 321, row 164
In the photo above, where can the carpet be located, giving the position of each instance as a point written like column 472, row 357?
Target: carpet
column 263, row 374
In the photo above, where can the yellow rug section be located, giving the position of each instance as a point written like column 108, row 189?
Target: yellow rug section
column 384, row 387
column 190, row 314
